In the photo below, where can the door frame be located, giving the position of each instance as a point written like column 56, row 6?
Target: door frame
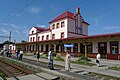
column 102, row 55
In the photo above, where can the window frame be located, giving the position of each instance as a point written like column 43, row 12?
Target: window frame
column 42, row 38
column 57, row 25
column 62, row 35
column 62, row 24
column 113, row 46
column 53, row 26
column 53, row 36
column 32, row 31
column 47, row 37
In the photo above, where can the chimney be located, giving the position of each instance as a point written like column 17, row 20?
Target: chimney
column 77, row 10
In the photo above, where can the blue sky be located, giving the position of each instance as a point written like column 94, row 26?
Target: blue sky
column 102, row 15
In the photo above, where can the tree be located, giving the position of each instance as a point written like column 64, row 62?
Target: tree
column 23, row 41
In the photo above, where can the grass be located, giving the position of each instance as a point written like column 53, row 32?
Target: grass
column 117, row 68
column 83, row 62
column 2, row 75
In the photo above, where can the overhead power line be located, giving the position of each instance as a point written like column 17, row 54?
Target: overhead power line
column 63, row 11
column 11, row 17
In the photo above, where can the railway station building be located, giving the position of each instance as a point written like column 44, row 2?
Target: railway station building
column 69, row 31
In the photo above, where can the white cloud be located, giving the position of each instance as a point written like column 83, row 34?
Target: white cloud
column 96, row 20
column 5, row 32
column 111, row 27
column 34, row 10
column 18, row 32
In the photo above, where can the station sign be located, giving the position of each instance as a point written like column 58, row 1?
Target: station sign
column 68, row 45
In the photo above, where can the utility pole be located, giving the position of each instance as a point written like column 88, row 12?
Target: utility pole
column 9, row 42
column 10, row 37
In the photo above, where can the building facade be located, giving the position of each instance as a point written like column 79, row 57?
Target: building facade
column 69, row 28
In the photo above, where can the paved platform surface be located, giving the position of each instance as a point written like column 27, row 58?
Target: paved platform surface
column 82, row 68
column 38, row 76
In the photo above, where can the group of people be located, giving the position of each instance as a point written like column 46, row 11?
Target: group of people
column 67, row 61
column 7, row 52
column 50, row 59
column 19, row 54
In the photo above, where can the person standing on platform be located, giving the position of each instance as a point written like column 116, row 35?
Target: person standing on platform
column 50, row 63
column 21, row 55
column 38, row 56
column 67, row 61
column 98, row 59
column 17, row 54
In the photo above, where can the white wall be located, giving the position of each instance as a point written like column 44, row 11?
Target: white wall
column 85, row 29
column 13, row 47
column 58, row 31
column 33, row 35
column 45, row 33
column 71, row 25
column 33, row 29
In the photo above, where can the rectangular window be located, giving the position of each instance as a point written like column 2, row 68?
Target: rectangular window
column 62, row 35
column 38, row 38
column 33, row 39
column 58, row 25
column 89, row 48
column 42, row 38
column 53, row 36
column 32, row 32
column 62, row 24
column 114, row 48
column 53, row 26
column 47, row 37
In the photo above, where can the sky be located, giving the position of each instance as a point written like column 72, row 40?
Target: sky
column 18, row 16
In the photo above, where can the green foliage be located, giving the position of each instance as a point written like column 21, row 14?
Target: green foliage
column 84, row 58
column 54, row 54
column 83, row 61
column 115, row 68
column 3, row 76
column 23, row 41
column 59, row 58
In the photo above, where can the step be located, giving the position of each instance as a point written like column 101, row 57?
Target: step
column 48, row 76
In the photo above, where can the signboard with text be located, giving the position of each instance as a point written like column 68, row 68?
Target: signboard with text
column 68, row 45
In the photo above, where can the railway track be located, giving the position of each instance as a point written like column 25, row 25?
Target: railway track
column 11, row 70
column 15, row 71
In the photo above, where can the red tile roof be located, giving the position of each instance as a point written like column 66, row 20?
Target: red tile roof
column 41, row 29
column 102, row 35
column 66, row 14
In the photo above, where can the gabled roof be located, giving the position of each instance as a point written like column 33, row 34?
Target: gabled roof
column 66, row 14
column 40, row 29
